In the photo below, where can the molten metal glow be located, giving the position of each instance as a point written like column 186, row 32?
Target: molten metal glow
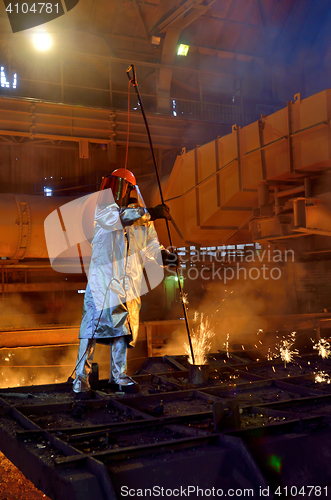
column 322, row 377
column 323, row 347
column 201, row 335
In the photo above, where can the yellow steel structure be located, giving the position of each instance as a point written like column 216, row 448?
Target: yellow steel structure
column 36, row 119
column 254, row 175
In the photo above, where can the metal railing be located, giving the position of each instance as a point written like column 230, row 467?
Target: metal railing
column 65, row 93
column 211, row 112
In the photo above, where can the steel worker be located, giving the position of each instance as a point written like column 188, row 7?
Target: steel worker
column 124, row 239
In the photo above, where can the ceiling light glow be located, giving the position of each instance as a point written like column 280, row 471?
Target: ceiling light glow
column 156, row 40
column 182, row 50
column 42, row 41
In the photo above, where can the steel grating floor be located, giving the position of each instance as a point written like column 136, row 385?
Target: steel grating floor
column 251, row 426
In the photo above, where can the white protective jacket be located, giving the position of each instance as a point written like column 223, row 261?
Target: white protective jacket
column 126, row 263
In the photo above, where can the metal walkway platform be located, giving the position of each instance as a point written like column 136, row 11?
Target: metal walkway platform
column 251, row 426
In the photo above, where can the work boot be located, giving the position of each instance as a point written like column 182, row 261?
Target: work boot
column 84, row 366
column 127, row 384
column 82, row 396
column 118, row 352
column 112, row 385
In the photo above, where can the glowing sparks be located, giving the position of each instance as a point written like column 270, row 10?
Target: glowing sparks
column 323, row 347
column 321, row 377
column 285, row 351
column 201, row 344
column 285, row 345
column 9, row 355
column 226, row 345
column 185, row 298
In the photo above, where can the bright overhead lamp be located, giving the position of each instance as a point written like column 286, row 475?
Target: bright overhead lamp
column 42, row 41
column 182, row 50
column 155, row 40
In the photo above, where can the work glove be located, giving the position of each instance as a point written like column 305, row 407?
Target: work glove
column 159, row 212
column 170, row 259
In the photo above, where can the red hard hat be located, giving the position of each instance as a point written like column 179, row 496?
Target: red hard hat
column 125, row 174
column 120, row 182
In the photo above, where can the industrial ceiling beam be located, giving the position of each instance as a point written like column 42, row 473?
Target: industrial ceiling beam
column 173, row 16
column 263, row 18
column 217, row 51
column 262, row 14
column 147, row 40
column 141, row 19
column 226, row 54
column 231, row 8
column 281, row 41
column 134, row 58
column 165, row 74
column 315, row 22
column 115, row 15
column 93, row 12
column 138, row 62
column 196, row 12
column 180, row 12
column 249, row 15
column 173, row 25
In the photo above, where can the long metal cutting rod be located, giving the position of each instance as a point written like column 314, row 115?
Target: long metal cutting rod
column 132, row 77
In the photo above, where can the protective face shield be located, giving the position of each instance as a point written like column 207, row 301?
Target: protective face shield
column 121, row 182
column 133, row 196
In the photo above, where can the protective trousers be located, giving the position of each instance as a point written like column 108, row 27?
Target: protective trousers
column 118, row 352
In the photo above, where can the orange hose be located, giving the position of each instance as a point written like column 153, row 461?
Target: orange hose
column 128, row 129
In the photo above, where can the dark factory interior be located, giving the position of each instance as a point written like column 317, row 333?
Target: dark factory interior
column 210, row 120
